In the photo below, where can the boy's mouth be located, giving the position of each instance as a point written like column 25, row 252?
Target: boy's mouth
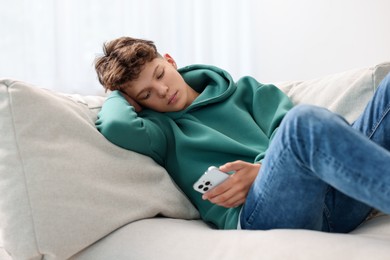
column 173, row 98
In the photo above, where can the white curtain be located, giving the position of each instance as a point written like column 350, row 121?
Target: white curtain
column 53, row 43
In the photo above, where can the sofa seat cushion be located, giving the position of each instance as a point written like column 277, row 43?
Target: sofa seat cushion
column 168, row 239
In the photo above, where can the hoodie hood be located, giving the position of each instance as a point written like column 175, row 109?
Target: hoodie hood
column 213, row 84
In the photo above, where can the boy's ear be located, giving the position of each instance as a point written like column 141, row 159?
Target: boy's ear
column 169, row 59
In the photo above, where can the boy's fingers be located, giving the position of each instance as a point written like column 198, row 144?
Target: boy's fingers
column 221, row 188
column 231, row 166
column 132, row 102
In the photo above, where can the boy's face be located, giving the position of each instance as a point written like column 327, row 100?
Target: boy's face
column 160, row 87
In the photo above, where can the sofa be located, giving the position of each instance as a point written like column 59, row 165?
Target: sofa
column 68, row 193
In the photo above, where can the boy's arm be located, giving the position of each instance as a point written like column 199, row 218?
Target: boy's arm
column 270, row 105
column 120, row 124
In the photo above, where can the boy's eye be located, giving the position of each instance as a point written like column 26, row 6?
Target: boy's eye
column 146, row 95
column 159, row 76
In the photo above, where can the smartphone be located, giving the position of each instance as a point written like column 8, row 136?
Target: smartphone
column 211, row 178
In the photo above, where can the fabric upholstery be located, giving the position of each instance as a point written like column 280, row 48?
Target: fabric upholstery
column 63, row 186
column 65, row 191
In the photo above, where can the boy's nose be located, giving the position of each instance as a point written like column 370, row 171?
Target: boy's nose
column 162, row 90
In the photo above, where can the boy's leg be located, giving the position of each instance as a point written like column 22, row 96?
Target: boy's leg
column 375, row 121
column 375, row 124
column 313, row 153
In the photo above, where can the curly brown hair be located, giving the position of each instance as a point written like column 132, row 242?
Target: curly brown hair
column 123, row 60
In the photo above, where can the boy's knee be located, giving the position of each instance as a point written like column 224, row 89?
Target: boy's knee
column 303, row 119
column 307, row 125
column 306, row 113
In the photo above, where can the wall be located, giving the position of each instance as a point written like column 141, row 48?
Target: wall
column 53, row 43
column 304, row 38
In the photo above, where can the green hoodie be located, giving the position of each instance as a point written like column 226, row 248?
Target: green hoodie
column 228, row 121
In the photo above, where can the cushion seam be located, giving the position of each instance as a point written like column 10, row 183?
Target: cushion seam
column 10, row 106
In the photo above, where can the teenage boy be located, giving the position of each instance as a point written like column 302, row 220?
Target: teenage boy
column 312, row 170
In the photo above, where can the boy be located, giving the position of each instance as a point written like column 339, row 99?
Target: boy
column 290, row 174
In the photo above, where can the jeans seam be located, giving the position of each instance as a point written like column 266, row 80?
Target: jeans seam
column 326, row 212
column 376, row 125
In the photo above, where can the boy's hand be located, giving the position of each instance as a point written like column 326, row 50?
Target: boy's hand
column 132, row 102
column 232, row 192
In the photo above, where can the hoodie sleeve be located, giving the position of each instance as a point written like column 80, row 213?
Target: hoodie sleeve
column 270, row 105
column 121, row 125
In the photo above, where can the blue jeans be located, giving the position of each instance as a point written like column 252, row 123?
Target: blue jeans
column 321, row 173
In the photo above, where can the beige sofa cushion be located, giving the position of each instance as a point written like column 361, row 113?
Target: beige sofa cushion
column 63, row 186
column 345, row 93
